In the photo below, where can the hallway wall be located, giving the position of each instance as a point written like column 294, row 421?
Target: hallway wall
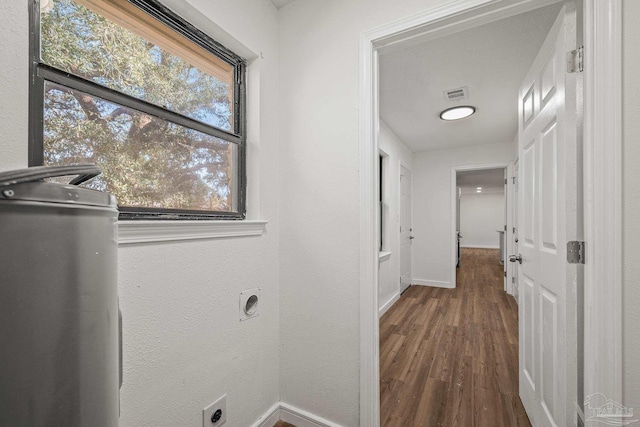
column 389, row 273
column 432, row 214
column 481, row 215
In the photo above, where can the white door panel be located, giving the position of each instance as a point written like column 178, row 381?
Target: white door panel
column 405, row 228
column 516, row 229
column 543, row 297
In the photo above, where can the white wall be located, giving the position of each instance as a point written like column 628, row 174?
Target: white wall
column 14, row 99
column 319, row 241
column 389, row 273
column 631, row 203
column 481, row 215
column 183, row 344
column 432, row 215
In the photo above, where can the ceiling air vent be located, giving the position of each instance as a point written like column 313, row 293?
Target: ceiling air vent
column 456, row 94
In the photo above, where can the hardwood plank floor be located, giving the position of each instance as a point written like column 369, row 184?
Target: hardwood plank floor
column 449, row 357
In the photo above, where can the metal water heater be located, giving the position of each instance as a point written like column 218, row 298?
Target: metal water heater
column 59, row 318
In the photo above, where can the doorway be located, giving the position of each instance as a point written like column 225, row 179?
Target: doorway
column 601, row 176
column 451, row 140
column 480, row 211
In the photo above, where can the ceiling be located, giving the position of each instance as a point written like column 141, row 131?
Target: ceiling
column 281, row 3
column 491, row 181
column 491, row 60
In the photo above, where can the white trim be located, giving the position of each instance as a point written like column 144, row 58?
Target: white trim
column 387, row 305
column 480, row 246
column 269, row 418
column 302, row 418
column 135, row 232
column 383, row 256
column 602, row 179
column 433, row 283
column 427, row 25
column 292, row 415
column 369, row 322
column 509, row 247
column 383, row 34
column 603, row 198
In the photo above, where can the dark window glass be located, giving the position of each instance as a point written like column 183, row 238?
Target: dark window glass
column 146, row 161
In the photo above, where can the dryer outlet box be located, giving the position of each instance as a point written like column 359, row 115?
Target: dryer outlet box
column 249, row 303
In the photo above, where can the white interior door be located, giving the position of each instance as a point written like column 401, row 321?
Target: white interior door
column 515, row 239
column 547, row 341
column 405, row 228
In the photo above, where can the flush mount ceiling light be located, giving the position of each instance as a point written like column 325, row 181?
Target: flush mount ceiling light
column 457, row 113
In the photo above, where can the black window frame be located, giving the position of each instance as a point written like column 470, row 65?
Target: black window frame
column 41, row 73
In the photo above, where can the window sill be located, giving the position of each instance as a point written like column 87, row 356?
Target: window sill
column 143, row 231
column 383, row 256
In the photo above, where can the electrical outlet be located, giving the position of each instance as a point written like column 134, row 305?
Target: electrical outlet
column 216, row 413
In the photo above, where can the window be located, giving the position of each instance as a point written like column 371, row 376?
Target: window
column 156, row 103
column 382, row 207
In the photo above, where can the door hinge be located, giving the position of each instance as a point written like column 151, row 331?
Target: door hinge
column 514, row 179
column 575, row 60
column 505, row 181
column 513, row 279
column 575, row 252
column 505, row 274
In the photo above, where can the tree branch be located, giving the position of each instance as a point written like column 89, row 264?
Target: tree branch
column 87, row 103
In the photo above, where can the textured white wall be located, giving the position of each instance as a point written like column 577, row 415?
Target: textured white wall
column 631, row 203
column 432, row 225
column 480, row 216
column 183, row 343
column 319, row 241
column 389, row 273
column 14, row 98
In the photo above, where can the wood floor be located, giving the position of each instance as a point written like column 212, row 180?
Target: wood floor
column 449, row 357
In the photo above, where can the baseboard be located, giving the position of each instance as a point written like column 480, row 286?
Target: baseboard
column 292, row 415
column 480, row 246
column 302, row 418
column 387, row 305
column 270, row 417
column 433, row 283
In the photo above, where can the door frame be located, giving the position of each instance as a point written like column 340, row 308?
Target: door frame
column 510, row 244
column 454, row 193
column 602, row 179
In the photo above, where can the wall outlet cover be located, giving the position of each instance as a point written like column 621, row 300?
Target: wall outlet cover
column 215, row 414
column 249, row 303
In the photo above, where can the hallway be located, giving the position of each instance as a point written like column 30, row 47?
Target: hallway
column 449, row 357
